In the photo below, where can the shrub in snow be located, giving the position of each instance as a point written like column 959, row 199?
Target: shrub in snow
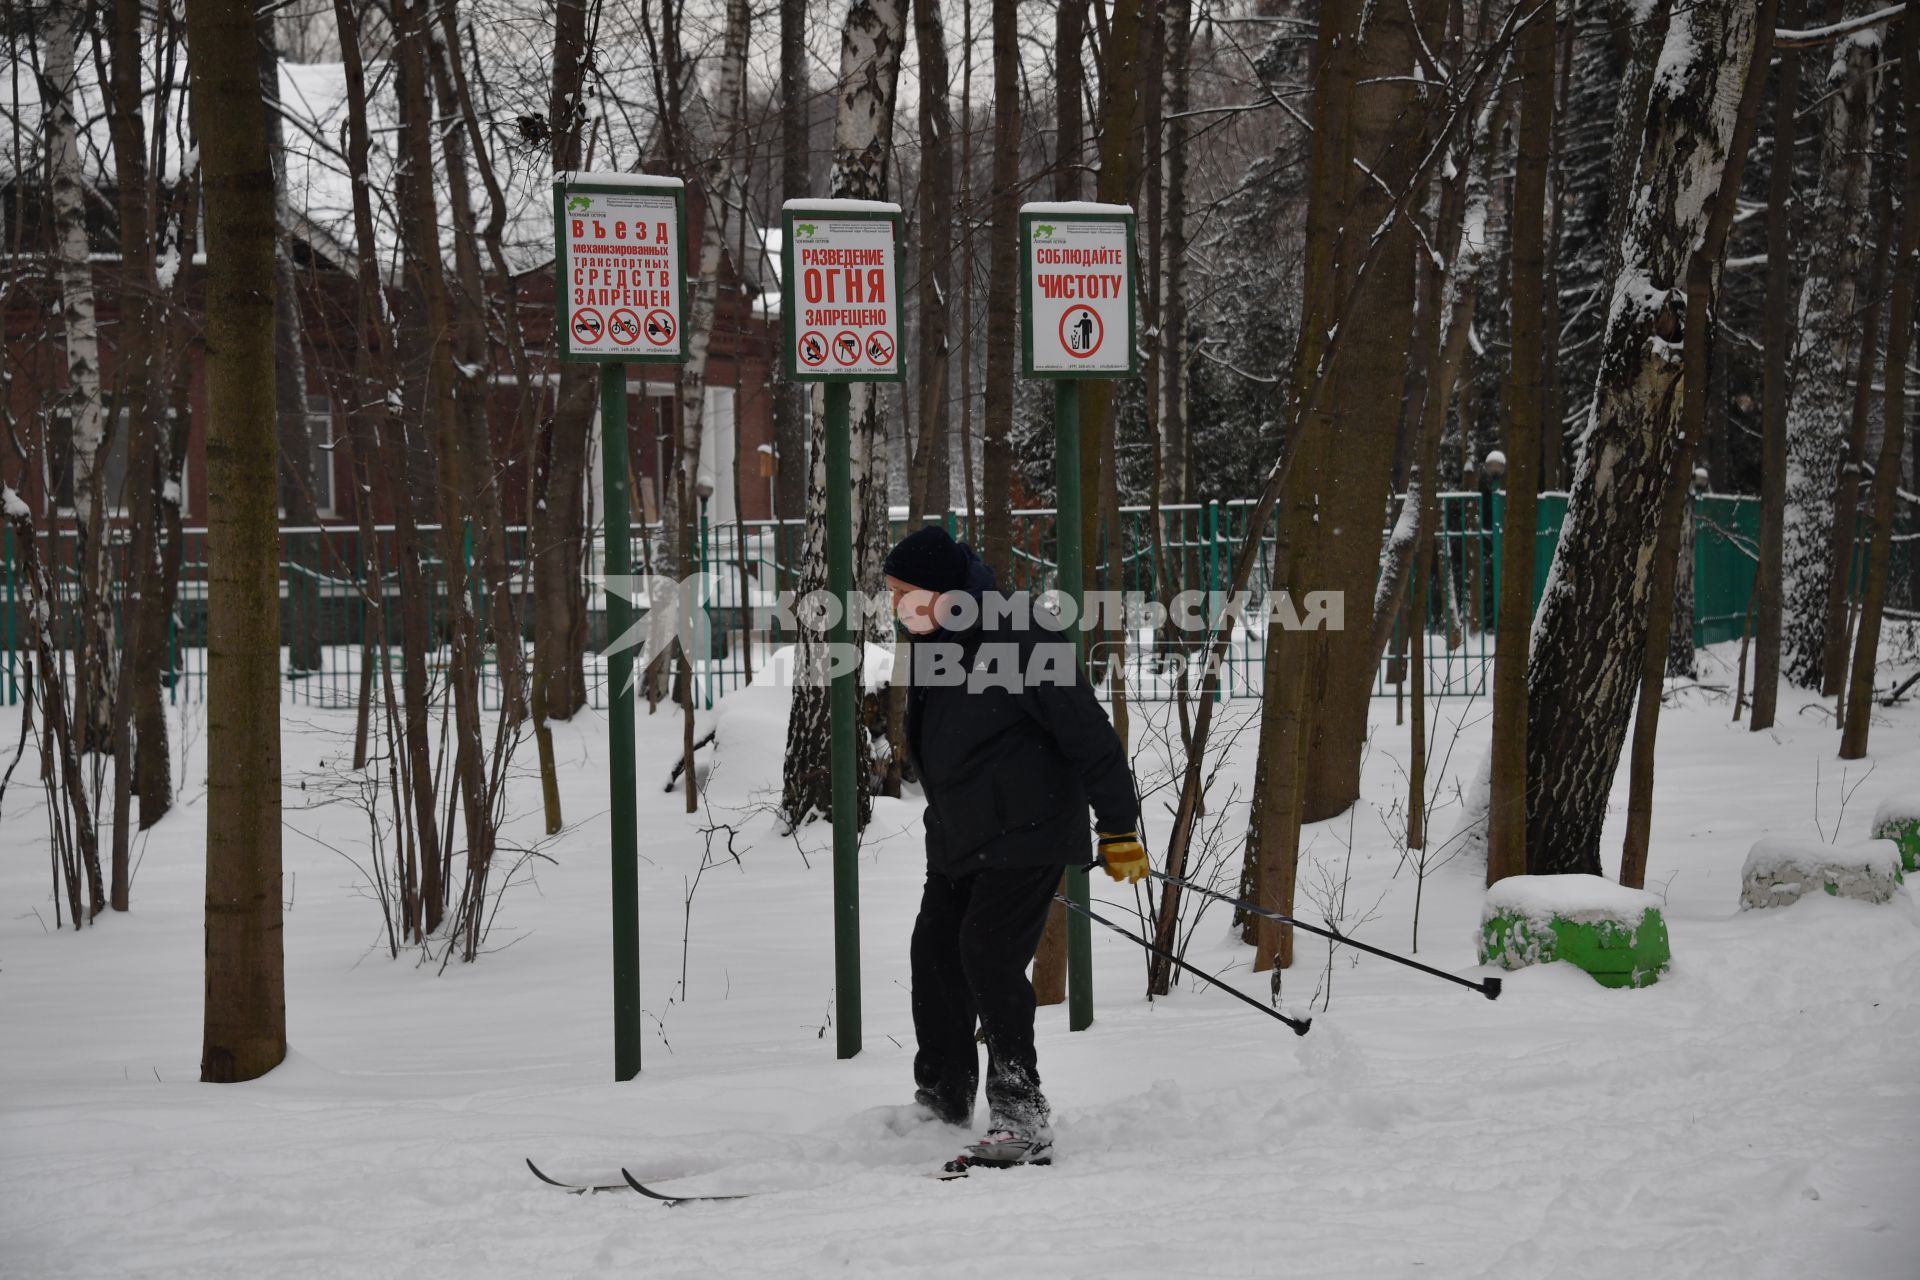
column 1781, row 868
column 1898, row 820
column 1615, row 933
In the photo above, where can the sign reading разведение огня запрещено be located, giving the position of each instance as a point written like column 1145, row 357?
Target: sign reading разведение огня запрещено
column 840, row 297
column 620, row 259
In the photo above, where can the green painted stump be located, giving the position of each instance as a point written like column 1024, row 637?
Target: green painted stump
column 1616, row 934
column 1899, row 821
column 1780, row 870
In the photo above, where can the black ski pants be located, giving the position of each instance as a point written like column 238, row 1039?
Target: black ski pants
column 972, row 943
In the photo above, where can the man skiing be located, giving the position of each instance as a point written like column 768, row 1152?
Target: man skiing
column 1011, row 748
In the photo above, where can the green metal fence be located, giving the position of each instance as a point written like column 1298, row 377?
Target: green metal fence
column 326, row 613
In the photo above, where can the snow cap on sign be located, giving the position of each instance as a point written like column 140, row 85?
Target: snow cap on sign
column 640, row 180
column 809, row 204
column 1059, row 208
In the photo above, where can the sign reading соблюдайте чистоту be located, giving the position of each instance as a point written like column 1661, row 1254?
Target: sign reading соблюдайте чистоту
column 1077, row 282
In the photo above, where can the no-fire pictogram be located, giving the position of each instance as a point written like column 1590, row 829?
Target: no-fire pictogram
column 813, row 348
column 880, row 348
column 846, row 347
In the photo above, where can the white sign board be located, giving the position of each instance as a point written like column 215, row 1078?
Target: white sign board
column 1078, row 290
column 841, row 309
column 620, row 246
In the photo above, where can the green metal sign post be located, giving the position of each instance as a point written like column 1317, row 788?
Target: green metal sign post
column 840, row 317
column 1077, row 322
column 619, row 267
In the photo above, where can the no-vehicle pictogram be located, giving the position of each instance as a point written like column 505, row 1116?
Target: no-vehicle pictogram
column 660, row 327
column 625, row 326
column 588, row 325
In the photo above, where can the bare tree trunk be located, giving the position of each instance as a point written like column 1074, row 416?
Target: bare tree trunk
column 1886, row 476
column 1553, row 428
column 1775, row 389
column 1274, row 821
column 1846, row 498
column 95, row 676
column 869, row 77
column 457, row 466
column 1002, row 304
column 790, row 406
column 149, row 442
column 379, row 388
column 302, row 552
column 244, row 1032
column 1447, row 308
column 1507, row 804
column 1176, row 448
column 1386, row 129
column 1590, row 633
column 1070, row 29
column 469, row 305
column 558, row 533
column 930, row 486
column 1817, row 418
column 1676, row 515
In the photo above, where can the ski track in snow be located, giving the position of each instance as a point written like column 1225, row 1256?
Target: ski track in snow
column 1756, row 1113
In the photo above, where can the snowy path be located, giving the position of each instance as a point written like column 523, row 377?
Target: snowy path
column 1755, row 1114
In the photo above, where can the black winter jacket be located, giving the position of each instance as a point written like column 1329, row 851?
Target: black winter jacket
column 1009, row 773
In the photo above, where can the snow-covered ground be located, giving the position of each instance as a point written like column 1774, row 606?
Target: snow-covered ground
column 1756, row 1113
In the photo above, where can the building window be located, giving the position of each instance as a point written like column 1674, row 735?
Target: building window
column 113, row 462
column 319, row 457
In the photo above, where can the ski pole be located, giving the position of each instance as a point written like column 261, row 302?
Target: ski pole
column 1488, row 987
column 1299, row 1025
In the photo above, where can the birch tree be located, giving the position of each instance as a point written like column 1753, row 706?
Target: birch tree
column 1813, row 651
column 1590, row 629
column 870, row 47
column 87, row 427
column 1886, row 476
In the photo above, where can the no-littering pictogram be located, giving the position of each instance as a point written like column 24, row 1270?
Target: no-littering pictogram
column 1081, row 331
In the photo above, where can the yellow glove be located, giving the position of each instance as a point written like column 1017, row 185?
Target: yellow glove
column 1123, row 856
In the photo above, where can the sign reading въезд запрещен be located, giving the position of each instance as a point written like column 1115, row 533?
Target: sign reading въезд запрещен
column 620, row 257
column 840, row 291
column 1077, row 290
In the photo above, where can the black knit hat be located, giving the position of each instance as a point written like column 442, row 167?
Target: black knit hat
column 929, row 558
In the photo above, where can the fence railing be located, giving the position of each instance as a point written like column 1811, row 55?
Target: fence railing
column 325, row 612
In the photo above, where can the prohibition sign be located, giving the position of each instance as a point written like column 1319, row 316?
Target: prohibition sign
column 624, row 325
column 813, row 348
column 879, row 348
column 588, row 326
column 660, row 327
column 1081, row 331
column 846, row 347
